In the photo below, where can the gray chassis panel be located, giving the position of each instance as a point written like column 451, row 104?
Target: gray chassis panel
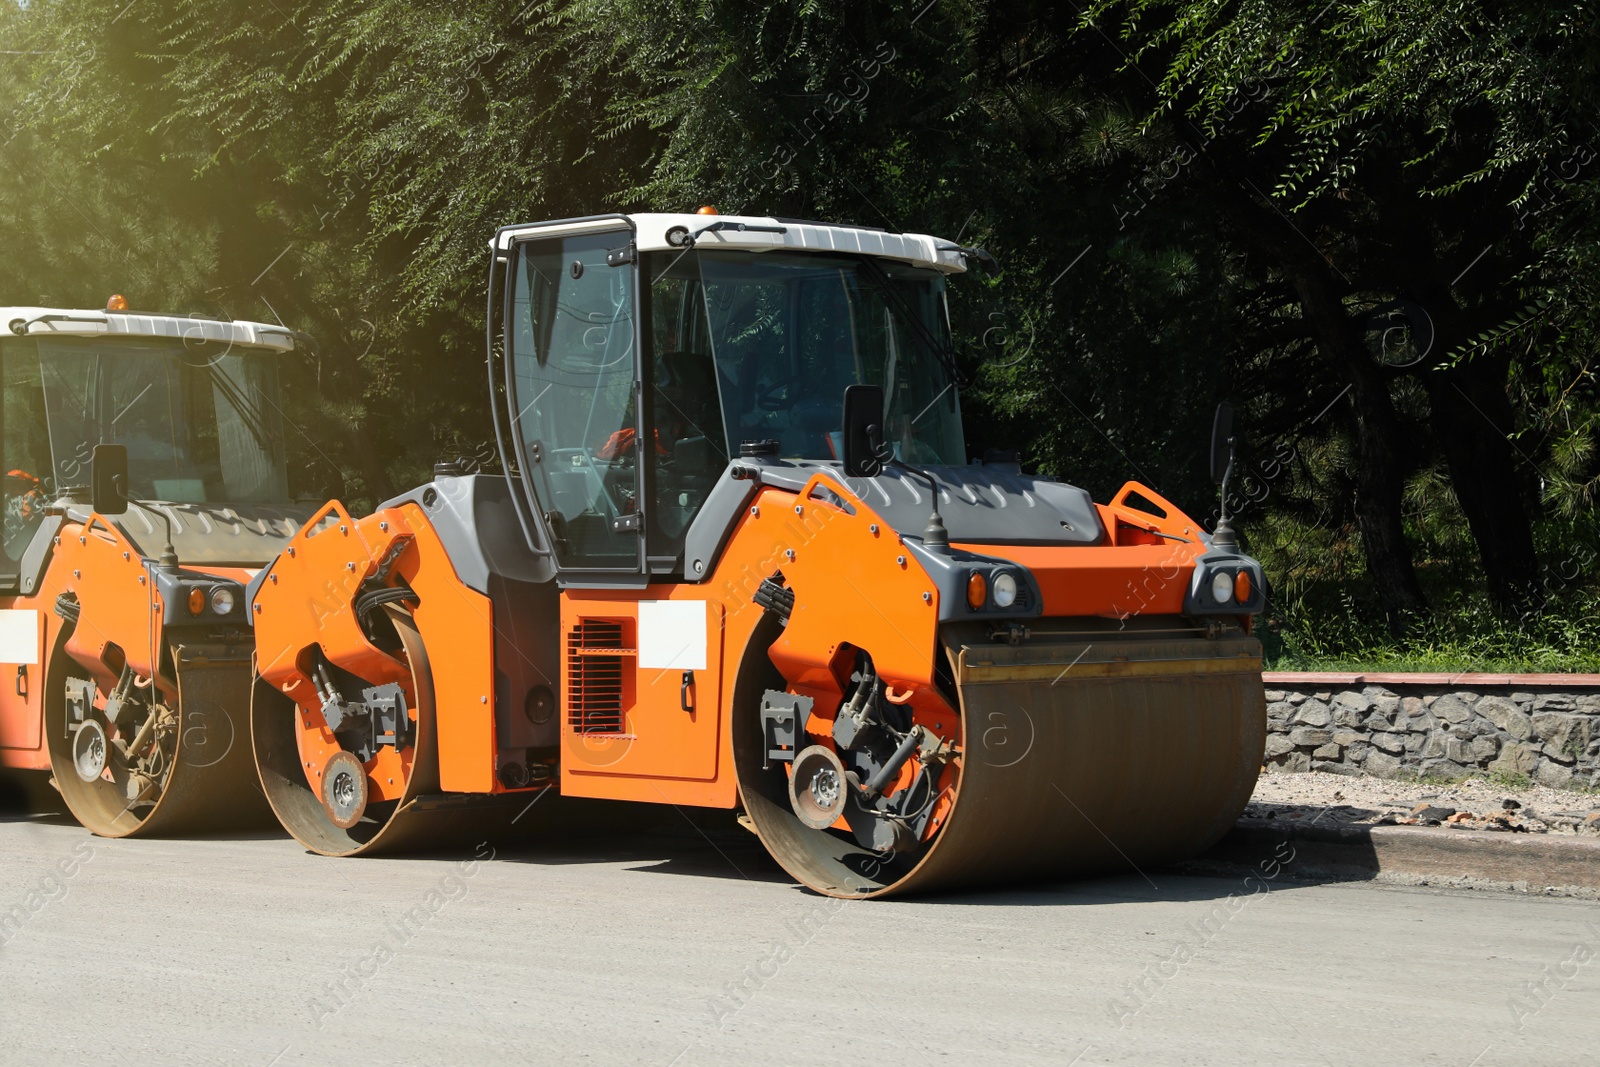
column 36, row 557
column 713, row 524
column 949, row 572
column 527, row 654
column 215, row 535
column 980, row 504
column 475, row 518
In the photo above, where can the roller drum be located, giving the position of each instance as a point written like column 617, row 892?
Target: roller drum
column 420, row 819
column 210, row 786
column 1081, row 757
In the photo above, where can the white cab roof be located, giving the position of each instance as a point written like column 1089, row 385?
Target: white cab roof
column 918, row 249
column 66, row 322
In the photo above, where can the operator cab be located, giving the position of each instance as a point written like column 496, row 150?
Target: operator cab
column 194, row 401
column 645, row 352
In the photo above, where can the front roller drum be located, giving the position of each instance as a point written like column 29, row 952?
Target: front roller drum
column 337, row 816
column 1078, row 758
column 196, row 777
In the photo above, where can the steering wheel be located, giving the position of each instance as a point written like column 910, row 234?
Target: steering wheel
column 768, row 398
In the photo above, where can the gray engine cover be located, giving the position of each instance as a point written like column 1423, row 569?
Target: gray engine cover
column 982, row 504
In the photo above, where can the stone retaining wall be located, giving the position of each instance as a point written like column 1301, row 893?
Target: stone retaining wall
column 1398, row 729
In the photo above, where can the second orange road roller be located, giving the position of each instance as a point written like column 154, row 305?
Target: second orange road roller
column 737, row 558
column 146, row 483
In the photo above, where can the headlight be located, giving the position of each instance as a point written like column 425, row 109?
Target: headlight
column 1222, row 587
column 1005, row 590
column 222, row 600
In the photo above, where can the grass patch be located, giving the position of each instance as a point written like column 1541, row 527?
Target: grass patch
column 1323, row 614
column 1445, row 779
column 1563, row 638
column 1330, row 619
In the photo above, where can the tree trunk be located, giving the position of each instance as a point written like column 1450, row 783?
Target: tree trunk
column 1380, row 446
column 1380, row 484
column 1380, row 468
column 1471, row 415
column 1471, row 419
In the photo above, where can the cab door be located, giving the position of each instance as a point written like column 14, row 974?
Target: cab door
column 641, row 664
column 25, row 463
column 572, row 342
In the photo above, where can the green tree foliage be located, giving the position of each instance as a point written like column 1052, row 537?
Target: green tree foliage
column 1374, row 224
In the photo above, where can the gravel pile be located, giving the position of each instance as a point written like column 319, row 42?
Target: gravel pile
column 1475, row 804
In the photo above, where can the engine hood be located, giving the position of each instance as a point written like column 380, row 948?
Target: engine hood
column 982, row 504
column 209, row 535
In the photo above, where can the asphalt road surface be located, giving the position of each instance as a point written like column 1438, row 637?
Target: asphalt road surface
column 679, row 943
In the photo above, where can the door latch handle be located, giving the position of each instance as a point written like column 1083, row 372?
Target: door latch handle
column 22, row 680
column 683, row 691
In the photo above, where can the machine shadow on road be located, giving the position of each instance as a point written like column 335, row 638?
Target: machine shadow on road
column 28, row 797
column 710, row 844
column 705, row 843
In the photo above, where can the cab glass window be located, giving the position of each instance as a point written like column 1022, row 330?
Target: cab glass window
column 200, row 422
column 571, row 337
column 24, row 451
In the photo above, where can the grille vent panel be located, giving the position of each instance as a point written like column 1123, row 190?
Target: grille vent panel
column 597, row 663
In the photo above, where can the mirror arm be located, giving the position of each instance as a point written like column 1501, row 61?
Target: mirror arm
column 1223, row 537
column 168, row 562
column 934, row 535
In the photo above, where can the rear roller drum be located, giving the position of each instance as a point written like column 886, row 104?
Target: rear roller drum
column 337, row 803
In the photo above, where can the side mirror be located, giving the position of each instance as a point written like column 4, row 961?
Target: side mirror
column 1222, row 442
column 863, row 430
column 108, row 479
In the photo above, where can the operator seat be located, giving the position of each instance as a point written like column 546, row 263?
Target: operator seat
column 689, row 427
column 687, row 403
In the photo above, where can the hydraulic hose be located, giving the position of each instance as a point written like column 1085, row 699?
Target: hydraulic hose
column 907, row 746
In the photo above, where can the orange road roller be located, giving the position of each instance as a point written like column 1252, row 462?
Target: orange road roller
column 737, row 558
column 145, row 484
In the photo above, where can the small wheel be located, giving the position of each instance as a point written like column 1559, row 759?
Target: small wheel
column 817, row 788
column 89, row 750
column 344, row 790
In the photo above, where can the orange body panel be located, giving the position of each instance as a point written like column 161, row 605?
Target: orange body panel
column 456, row 623
column 1105, row 581
column 119, row 621
column 120, row 606
column 22, row 687
column 1139, row 573
column 858, row 587
column 659, row 739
